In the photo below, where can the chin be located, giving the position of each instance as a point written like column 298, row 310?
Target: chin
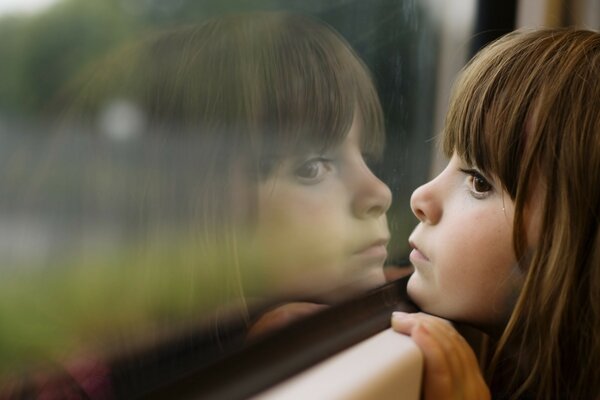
column 426, row 298
column 415, row 291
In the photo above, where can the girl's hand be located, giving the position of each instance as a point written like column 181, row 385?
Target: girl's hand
column 451, row 369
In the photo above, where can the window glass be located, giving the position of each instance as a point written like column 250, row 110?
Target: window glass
column 174, row 171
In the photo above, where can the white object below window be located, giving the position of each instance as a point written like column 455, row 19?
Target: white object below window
column 385, row 366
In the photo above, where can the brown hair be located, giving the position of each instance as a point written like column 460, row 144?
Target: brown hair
column 526, row 108
column 249, row 89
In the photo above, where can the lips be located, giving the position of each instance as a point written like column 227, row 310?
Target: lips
column 416, row 255
column 374, row 245
column 375, row 250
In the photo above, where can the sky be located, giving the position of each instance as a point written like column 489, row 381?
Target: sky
column 23, row 6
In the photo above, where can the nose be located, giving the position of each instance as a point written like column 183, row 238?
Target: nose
column 372, row 198
column 425, row 204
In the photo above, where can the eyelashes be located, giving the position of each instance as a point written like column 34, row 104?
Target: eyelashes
column 479, row 186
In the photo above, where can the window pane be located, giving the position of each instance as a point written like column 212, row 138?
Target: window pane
column 182, row 173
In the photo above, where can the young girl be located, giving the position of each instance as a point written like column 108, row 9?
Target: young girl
column 508, row 239
column 235, row 152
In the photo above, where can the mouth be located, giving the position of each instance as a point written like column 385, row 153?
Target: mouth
column 416, row 255
column 376, row 251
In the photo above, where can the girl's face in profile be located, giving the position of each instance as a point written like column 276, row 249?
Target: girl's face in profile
column 465, row 266
column 322, row 218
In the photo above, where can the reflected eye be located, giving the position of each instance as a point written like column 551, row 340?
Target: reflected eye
column 478, row 185
column 312, row 170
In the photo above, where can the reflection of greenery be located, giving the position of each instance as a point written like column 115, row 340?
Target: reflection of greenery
column 119, row 299
column 53, row 46
column 11, row 49
column 63, row 40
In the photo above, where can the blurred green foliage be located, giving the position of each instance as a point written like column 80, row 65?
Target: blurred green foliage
column 107, row 303
column 41, row 52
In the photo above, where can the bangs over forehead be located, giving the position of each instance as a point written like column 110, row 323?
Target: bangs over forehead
column 513, row 100
column 491, row 103
column 307, row 84
column 264, row 83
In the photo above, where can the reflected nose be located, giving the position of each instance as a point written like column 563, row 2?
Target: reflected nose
column 425, row 205
column 373, row 197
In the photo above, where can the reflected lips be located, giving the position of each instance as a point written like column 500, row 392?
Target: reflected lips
column 376, row 250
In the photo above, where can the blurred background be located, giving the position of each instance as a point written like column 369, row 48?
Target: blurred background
column 80, row 270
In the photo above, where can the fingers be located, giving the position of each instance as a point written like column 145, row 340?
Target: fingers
column 438, row 373
column 451, row 370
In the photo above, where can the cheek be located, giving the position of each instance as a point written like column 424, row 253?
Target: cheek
column 488, row 285
column 299, row 235
column 473, row 275
column 300, row 217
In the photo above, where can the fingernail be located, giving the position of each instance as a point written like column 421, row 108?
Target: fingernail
column 400, row 316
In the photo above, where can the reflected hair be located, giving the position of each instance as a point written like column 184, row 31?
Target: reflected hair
column 526, row 109
column 243, row 90
column 278, row 80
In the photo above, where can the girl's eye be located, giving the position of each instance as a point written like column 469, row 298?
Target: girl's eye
column 312, row 171
column 478, row 185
